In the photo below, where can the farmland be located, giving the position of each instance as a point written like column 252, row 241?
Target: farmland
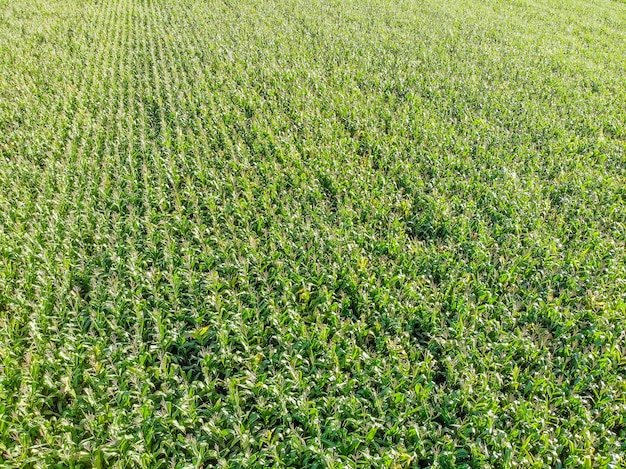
column 321, row 233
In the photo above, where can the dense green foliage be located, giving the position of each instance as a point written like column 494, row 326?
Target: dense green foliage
column 322, row 233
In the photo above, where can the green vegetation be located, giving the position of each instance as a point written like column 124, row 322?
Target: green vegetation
column 321, row 233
